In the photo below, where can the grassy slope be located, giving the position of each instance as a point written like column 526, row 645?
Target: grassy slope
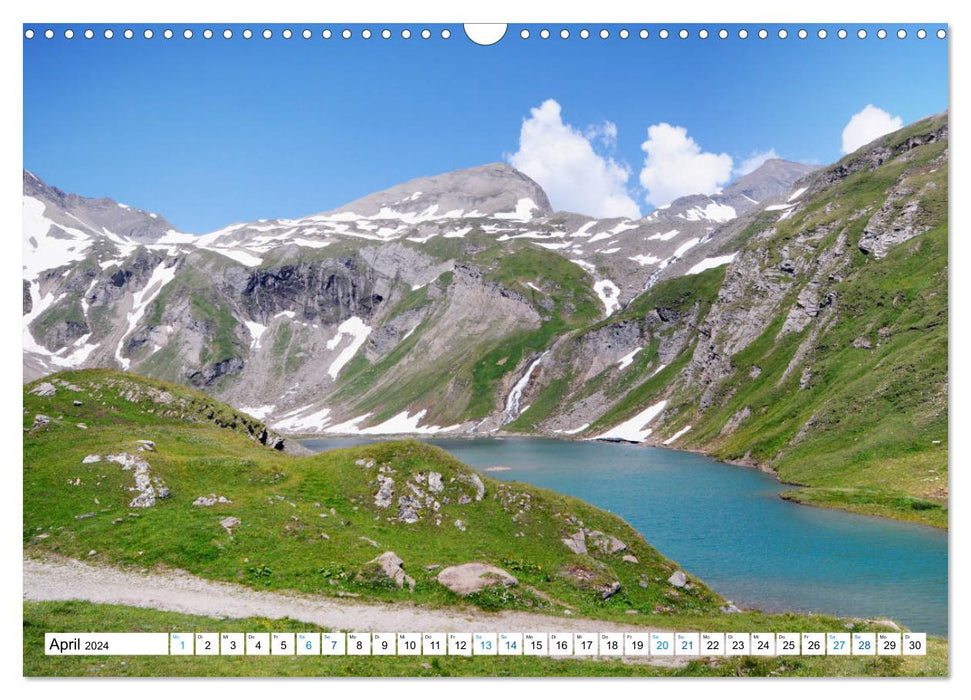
column 278, row 545
column 280, row 498
column 876, row 442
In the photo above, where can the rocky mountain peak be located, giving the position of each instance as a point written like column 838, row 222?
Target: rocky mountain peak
column 487, row 190
column 97, row 216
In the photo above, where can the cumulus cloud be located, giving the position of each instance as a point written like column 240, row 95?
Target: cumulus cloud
column 755, row 161
column 866, row 125
column 676, row 166
column 563, row 161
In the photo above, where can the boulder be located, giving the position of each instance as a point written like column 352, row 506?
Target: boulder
column 473, row 577
column 229, row 523
column 577, row 542
column 609, row 590
column 145, row 446
column 91, row 459
column 630, row 558
column 40, row 421
column 678, row 579
column 407, row 509
column 387, row 567
column 385, row 494
column 435, row 482
column 473, row 479
column 44, row 389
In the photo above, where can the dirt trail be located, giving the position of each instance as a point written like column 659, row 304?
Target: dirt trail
column 69, row 579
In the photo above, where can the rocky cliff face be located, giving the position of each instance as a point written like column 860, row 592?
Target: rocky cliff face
column 432, row 297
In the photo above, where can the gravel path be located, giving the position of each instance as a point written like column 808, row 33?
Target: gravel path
column 68, row 579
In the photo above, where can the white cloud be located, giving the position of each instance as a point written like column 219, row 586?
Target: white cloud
column 755, row 161
column 866, row 125
column 676, row 166
column 606, row 133
column 563, row 161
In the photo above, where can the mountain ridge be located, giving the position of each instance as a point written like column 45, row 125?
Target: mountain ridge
column 519, row 319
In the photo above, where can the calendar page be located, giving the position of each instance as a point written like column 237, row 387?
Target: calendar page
column 529, row 349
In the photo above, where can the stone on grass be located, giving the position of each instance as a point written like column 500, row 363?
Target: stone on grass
column 473, row 577
column 678, row 579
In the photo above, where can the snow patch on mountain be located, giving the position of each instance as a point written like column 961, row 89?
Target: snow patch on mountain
column 609, row 295
column 358, row 331
column 161, row 276
column 44, row 248
column 634, row 429
column 709, row 263
column 627, row 359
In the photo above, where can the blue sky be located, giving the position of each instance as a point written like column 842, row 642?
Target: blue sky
column 210, row 132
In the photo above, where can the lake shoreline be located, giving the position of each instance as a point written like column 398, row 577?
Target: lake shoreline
column 858, row 509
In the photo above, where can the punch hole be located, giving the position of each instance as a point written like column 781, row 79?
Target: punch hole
column 742, row 33
column 168, row 34
column 68, row 33
column 941, row 34
column 624, row 33
column 346, row 34
column 426, row 34
column 663, row 34
column 802, row 33
column 544, row 34
column 763, row 34
column 489, row 34
column 287, row 34
column 861, row 33
column 187, row 34
column 683, row 34
column 446, row 34
column 306, row 34
column 841, row 33
column 921, row 33
column 227, row 34
column 148, row 33
column 29, row 34
column 366, row 34
column 524, row 34
column 129, row 34
column 385, row 33
column 643, row 34
column 247, row 33
column 783, row 34
column 722, row 33
column 901, row 33
column 703, row 34
column 881, row 34
column 109, row 34
column 327, row 34
column 88, row 34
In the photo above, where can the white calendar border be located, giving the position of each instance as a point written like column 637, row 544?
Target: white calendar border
column 496, row 10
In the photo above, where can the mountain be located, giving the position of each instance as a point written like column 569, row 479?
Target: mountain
column 795, row 321
column 271, row 314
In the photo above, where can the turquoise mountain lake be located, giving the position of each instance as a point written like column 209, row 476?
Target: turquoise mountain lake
column 727, row 525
